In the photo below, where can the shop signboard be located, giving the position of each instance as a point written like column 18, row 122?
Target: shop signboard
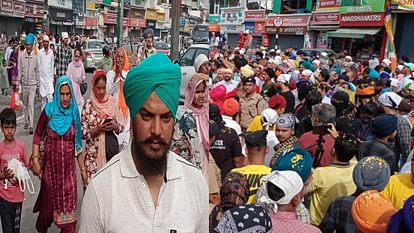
column 259, row 27
column 109, row 18
column 232, row 15
column 91, row 22
column 296, row 20
column 231, row 28
column 66, row 4
column 255, row 15
column 328, row 5
column 362, row 20
column 151, row 14
column 214, row 19
column 6, row 6
column 332, row 18
column 19, row 9
column 292, row 30
column 351, row 6
column 34, row 10
column 405, row 5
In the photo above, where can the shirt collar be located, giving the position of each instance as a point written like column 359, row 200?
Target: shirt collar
column 284, row 215
column 129, row 170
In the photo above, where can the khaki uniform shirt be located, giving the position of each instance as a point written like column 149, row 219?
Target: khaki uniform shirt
column 250, row 107
column 118, row 199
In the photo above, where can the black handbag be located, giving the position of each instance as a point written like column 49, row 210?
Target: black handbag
column 83, row 87
column 111, row 145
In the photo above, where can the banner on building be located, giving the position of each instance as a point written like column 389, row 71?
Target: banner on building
column 232, row 15
column 405, row 5
column 328, row 5
column 365, row 6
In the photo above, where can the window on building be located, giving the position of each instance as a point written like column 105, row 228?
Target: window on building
column 295, row 6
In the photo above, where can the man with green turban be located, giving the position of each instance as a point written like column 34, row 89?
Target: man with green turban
column 28, row 80
column 147, row 187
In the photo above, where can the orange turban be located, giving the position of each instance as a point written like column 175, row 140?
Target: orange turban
column 372, row 211
column 367, row 91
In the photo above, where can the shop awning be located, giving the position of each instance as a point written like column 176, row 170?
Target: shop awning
column 353, row 32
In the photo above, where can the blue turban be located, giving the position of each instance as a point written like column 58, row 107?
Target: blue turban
column 30, row 38
column 307, row 65
column 155, row 74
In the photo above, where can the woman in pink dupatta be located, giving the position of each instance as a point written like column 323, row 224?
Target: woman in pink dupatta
column 76, row 73
column 196, row 95
column 98, row 107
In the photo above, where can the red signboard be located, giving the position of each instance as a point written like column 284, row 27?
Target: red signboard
column 265, row 40
column 255, row 15
column 34, row 10
column 362, row 20
column 325, row 18
column 109, row 18
column 137, row 22
column 91, row 22
column 7, row 5
column 288, row 21
column 259, row 28
column 329, row 4
column 19, row 7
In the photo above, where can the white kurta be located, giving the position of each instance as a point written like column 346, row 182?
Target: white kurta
column 112, row 88
column 46, row 72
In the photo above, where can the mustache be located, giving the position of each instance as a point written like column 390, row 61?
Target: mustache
column 155, row 139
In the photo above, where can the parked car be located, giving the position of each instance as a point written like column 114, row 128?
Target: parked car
column 162, row 47
column 92, row 52
column 186, row 61
column 312, row 53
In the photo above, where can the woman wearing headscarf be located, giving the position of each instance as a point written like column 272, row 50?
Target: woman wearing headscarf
column 76, row 73
column 186, row 140
column 114, row 87
column 234, row 191
column 60, row 128
column 196, row 99
column 100, row 125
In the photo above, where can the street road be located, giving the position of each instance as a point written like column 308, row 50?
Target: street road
column 28, row 217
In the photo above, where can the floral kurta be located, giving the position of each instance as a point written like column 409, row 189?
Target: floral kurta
column 90, row 119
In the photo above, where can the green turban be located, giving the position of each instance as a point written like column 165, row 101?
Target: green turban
column 156, row 73
column 307, row 65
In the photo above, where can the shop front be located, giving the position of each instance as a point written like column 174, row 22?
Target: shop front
column 288, row 31
column 8, row 20
column 360, row 33
column 320, row 24
column 213, row 24
column 255, row 22
column 60, row 16
column 232, row 23
column 109, row 20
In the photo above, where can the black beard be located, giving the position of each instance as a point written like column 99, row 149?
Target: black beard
column 150, row 166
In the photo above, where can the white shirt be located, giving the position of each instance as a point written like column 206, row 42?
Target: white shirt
column 229, row 122
column 46, row 63
column 112, row 88
column 118, row 199
column 9, row 50
column 230, row 85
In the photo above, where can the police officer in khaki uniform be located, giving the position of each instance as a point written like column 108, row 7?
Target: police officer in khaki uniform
column 251, row 104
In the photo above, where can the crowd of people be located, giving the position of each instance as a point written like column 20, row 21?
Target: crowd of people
column 265, row 141
column 322, row 143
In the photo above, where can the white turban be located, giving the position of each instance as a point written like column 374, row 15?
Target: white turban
column 288, row 181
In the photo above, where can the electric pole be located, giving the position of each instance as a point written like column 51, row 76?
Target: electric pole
column 175, row 14
column 120, row 22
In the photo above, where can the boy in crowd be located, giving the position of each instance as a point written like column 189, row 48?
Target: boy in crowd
column 11, row 198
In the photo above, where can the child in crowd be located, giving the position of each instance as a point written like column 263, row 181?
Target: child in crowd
column 4, row 80
column 11, row 197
